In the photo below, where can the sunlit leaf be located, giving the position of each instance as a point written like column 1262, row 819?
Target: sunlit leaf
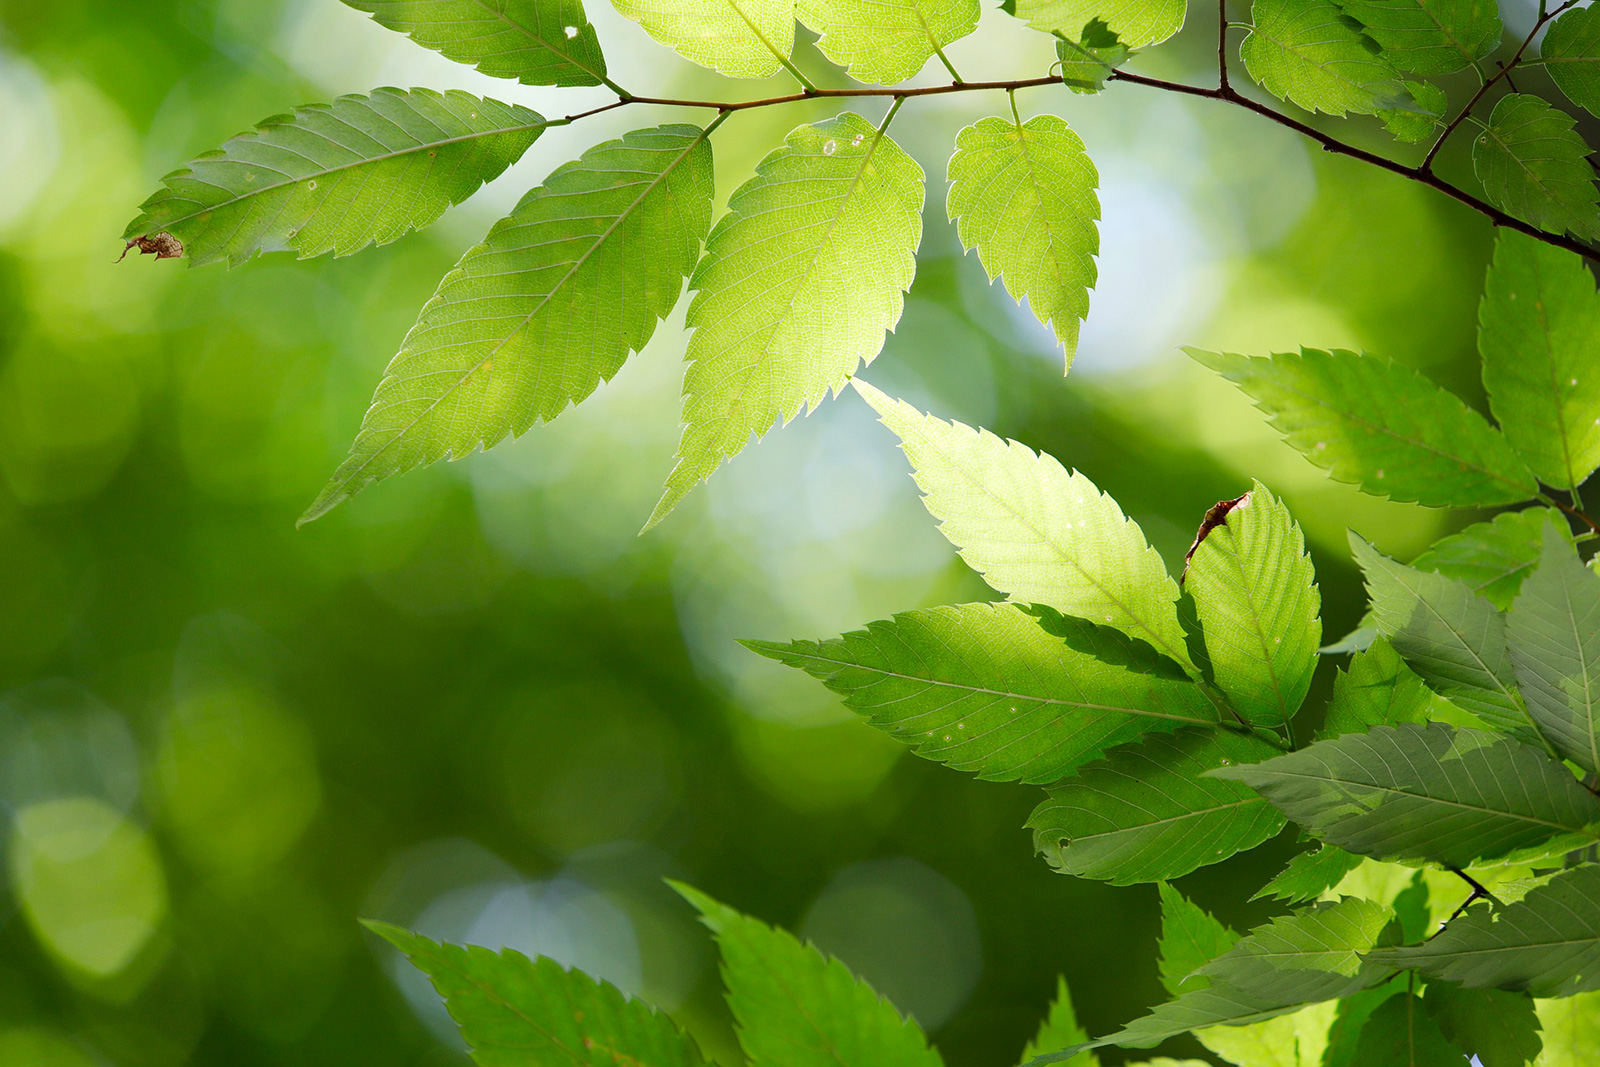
column 1571, row 1031
column 1570, row 51
column 1135, row 22
column 1304, row 955
column 1553, row 634
column 800, row 280
column 1429, row 36
column 1309, row 53
column 1498, row 1027
column 1492, row 557
column 1309, row 875
column 338, row 177
column 1419, row 119
column 739, row 38
column 1293, row 1040
column 886, row 41
column 1060, row 1029
column 1535, row 166
column 1376, row 689
column 1089, row 58
column 537, row 42
column 1401, row 1032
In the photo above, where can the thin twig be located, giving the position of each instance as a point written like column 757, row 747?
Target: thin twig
column 1222, row 46
column 1478, row 888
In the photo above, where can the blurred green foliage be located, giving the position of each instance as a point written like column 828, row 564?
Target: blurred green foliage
column 473, row 702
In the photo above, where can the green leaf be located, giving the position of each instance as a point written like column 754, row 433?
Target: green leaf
column 1307, row 956
column 1308, row 53
column 1023, row 195
column 1449, row 635
column 1089, row 60
column 1547, row 943
column 1571, row 53
column 800, row 280
column 338, row 177
column 1144, row 814
column 1539, row 333
column 1190, row 938
column 985, row 688
column 1571, row 1031
column 739, row 38
column 542, row 312
column 795, row 1007
column 1553, row 635
column 1401, row 1032
column 1309, row 875
column 886, row 41
column 1293, row 1040
column 1136, row 23
column 537, row 42
column 1429, row 36
column 1060, row 1029
column 1424, row 793
column 1535, row 166
column 517, row 1012
column 1377, row 689
column 1499, row 1028
column 1036, row 531
column 1418, row 120
column 1255, row 592
column 1380, row 425
column 1492, row 557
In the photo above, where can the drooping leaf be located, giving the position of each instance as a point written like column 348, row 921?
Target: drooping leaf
column 1570, row 51
column 1309, row 875
column 1088, row 59
column 1308, row 53
column 1307, row 956
column 517, row 1012
column 1136, row 23
column 986, row 688
column 1429, row 36
column 1547, row 943
column 548, row 307
column 1255, row 592
column 1190, row 938
column 1492, row 557
column 1380, row 425
column 1060, row 1029
column 1449, row 635
column 1400, row 1032
column 1144, row 813
column 1535, row 166
column 1499, row 1028
column 1424, row 793
column 363, row 170
column 1023, row 195
column 800, row 280
column 1571, row 1031
column 1553, row 635
column 1035, row 530
column 886, row 41
column 537, row 42
column 739, row 38
column 1539, row 333
column 796, row 1007
column 1377, row 689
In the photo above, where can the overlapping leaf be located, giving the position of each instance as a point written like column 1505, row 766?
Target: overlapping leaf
column 1308, row 53
column 1036, row 531
column 886, row 41
column 1553, row 635
column 1190, row 938
column 1535, row 166
column 1023, row 195
column 986, row 688
column 798, row 1008
column 1088, row 59
column 1310, row 955
column 1309, row 875
column 338, row 177
column 1429, row 36
column 799, row 282
column 1492, row 557
column 1136, row 23
column 514, row 1011
column 1060, row 1029
column 537, row 42
column 1539, row 333
column 542, row 312
column 1377, row 689
column 1380, row 425
column 1424, row 793
column 1401, row 1032
column 1571, row 1028
column 1571, row 53
column 1500, row 1028
column 1255, row 593
column 1144, row 813
column 1547, row 943
column 739, row 38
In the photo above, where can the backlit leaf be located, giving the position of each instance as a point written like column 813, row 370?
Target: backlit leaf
column 1309, row 875
column 537, row 42
column 1492, row 557
column 1553, row 634
column 886, row 41
column 1309, row 955
column 1190, row 938
column 1136, row 23
column 1429, row 36
column 1570, row 51
column 1535, row 166
column 1060, row 1029
column 1309, row 53
column 739, row 38
column 1087, row 60
column 1376, row 689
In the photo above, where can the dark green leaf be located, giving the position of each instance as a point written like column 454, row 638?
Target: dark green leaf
column 1310, row 955
column 1535, row 166
column 1553, row 634
column 1309, row 875
column 1402, row 1034
column 1497, row 1027
column 1571, row 53
column 537, row 42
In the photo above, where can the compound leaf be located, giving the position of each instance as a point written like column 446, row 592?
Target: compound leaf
column 800, row 280
column 537, row 42
column 1376, row 689
column 337, row 177
column 739, row 38
column 1144, row 813
column 1553, row 635
column 1036, row 531
column 1308, row 53
column 516, row 1012
column 1571, row 53
column 1429, row 36
column 542, row 312
column 1023, row 195
column 1492, row 557
column 1399, row 1032
column 1539, row 333
column 1535, row 166
column 1424, row 793
column 1136, row 23
column 1380, row 425
column 886, row 41
column 1500, row 1028
column 986, row 688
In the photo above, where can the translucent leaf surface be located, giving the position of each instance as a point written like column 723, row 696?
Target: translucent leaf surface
column 1136, row 23
column 1571, row 53
column 537, row 42
column 1060, row 1029
column 1308, row 53
column 1429, row 36
column 1309, row 955
column 1087, row 60
column 739, row 38
column 1377, row 689
column 800, row 280
column 1309, row 875
column 1492, row 557
column 886, row 41
column 1571, row 1031
column 1535, row 166
column 1024, row 196
column 548, row 307
column 338, row 177
column 1553, row 634
column 1190, row 938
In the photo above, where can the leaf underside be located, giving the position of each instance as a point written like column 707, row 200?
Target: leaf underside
column 537, row 42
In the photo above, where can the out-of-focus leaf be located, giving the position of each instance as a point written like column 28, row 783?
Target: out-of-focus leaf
column 886, row 41
column 1309, row 875
column 1060, row 1029
column 1090, row 58
column 537, row 42
column 1553, row 634
column 985, row 688
column 1136, row 23
column 1293, row 1040
column 1492, row 557
column 1401, row 1032
column 1429, row 36
column 1498, row 1027
column 1570, row 51
column 739, row 38
column 1308, row 53
column 1376, row 689
column 1535, row 166
column 1571, row 1031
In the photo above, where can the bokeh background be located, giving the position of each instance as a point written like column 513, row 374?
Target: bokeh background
column 473, row 701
